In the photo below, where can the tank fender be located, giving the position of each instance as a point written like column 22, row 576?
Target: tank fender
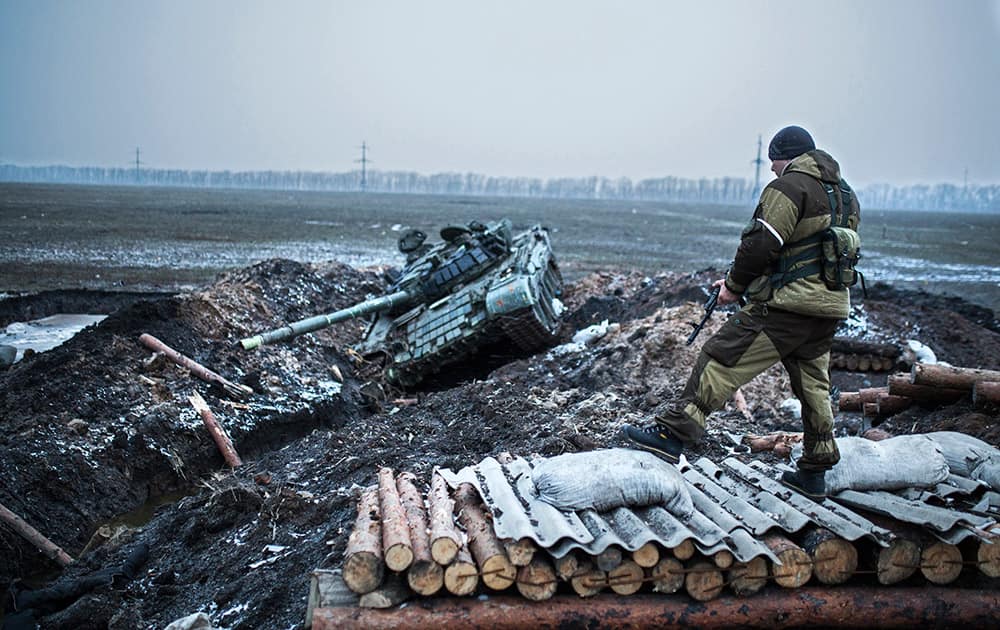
column 510, row 295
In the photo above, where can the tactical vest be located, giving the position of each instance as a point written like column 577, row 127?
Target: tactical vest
column 832, row 253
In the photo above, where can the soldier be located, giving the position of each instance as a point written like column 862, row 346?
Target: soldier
column 790, row 313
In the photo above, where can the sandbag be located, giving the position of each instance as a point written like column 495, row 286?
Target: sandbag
column 607, row 479
column 197, row 621
column 904, row 461
column 969, row 457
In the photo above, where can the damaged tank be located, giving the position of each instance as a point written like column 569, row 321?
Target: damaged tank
column 480, row 285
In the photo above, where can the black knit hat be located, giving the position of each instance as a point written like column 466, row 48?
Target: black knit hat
column 790, row 143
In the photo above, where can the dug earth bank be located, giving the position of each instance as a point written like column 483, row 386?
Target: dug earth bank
column 101, row 451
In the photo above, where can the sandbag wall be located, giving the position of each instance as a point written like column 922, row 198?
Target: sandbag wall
column 429, row 539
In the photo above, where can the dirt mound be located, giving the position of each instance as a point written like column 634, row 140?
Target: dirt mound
column 240, row 546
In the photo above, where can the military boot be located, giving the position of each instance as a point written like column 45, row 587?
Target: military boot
column 811, row 483
column 655, row 438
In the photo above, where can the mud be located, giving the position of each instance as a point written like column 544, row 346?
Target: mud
column 95, row 429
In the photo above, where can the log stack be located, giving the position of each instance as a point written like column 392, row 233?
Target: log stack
column 861, row 356
column 928, row 385
column 407, row 543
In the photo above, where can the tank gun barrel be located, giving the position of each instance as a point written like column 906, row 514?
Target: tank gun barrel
column 317, row 322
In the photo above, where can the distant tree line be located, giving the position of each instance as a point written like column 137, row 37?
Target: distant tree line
column 720, row 190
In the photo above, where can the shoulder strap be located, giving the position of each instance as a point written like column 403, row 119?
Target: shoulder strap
column 841, row 202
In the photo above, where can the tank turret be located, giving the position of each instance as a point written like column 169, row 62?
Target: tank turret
column 479, row 285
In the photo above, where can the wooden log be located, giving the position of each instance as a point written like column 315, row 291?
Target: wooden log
column 741, row 404
column 900, row 385
column 647, row 556
column 589, row 580
column 747, row 578
column 216, row 430
column 445, row 540
column 392, row 593
column 849, row 401
column 988, row 557
column 985, row 393
column 887, row 364
column 941, row 563
column 520, row 552
column 855, row 401
column 567, row 566
column 950, row 377
column 537, row 580
column 723, row 559
column 840, row 607
column 851, row 363
column 882, row 364
column 626, row 578
column 608, row 559
column 771, row 441
column 668, row 575
column 396, row 545
column 363, row 566
column 871, row 394
column 461, row 576
column 869, row 410
column 796, row 565
column 898, row 561
column 48, row 548
column 901, row 559
column 838, row 360
column 703, row 581
column 425, row 576
column 834, row 559
column 685, row 550
column 889, row 405
column 865, row 363
column 497, row 571
column 233, row 389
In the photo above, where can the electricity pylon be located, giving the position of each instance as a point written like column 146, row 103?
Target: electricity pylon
column 364, row 163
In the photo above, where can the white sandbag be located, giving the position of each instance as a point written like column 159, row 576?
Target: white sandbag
column 611, row 478
column 197, row 621
column 969, row 457
column 904, row 461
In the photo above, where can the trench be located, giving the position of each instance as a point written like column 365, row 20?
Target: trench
column 140, row 484
column 274, row 432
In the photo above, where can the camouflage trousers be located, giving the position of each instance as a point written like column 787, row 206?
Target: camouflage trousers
column 751, row 341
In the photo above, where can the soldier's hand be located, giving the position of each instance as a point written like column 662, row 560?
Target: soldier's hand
column 725, row 295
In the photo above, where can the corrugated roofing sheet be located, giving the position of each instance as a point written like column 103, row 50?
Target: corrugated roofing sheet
column 734, row 502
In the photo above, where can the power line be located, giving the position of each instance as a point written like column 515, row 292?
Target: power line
column 137, row 164
column 757, row 162
column 364, row 162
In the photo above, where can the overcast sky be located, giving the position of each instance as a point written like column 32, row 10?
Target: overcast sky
column 900, row 91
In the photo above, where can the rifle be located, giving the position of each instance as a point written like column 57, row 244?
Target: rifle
column 710, row 303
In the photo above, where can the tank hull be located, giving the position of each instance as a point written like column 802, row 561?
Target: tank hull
column 515, row 298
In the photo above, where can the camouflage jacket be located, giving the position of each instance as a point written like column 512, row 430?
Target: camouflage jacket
column 792, row 207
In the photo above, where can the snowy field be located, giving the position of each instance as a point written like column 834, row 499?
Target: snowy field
column 59, row 237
